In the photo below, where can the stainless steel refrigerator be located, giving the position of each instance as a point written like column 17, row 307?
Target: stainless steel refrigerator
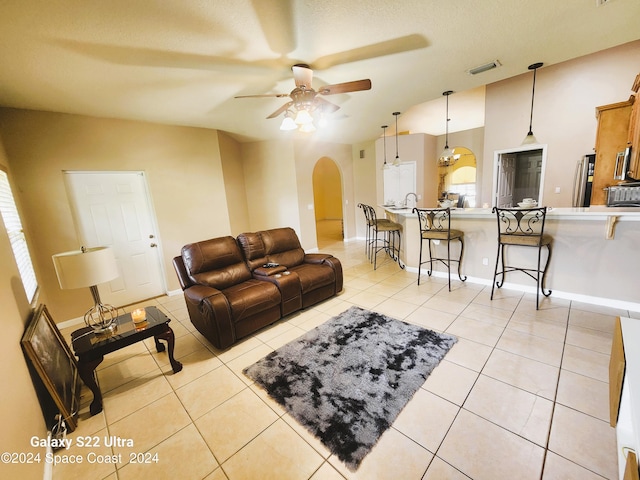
column 583, row 181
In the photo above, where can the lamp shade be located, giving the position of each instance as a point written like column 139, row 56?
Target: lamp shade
column 86, row 267
column 288, row 124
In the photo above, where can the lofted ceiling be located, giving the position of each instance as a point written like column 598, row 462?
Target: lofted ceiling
column 182, row 62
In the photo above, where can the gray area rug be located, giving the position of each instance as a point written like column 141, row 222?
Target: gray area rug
column 348, row 379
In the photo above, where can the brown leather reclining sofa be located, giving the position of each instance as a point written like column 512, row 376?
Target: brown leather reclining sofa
column 230, row 293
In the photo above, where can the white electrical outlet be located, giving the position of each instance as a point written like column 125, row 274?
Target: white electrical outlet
column 485, row 261
column 557, row 189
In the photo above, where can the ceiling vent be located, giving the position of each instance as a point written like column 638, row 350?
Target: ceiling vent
column 484, row 68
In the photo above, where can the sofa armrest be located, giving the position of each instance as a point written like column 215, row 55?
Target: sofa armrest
column 317, row 258
column 327, row 259
column 210, row 314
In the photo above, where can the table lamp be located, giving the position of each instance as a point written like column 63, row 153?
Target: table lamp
column 89, row 267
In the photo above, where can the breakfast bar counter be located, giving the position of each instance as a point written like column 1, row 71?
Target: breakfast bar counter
column 595, row 251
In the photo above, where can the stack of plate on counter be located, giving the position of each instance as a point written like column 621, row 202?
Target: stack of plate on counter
column 528, row 203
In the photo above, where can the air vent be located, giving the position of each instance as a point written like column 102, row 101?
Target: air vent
column 484, row 68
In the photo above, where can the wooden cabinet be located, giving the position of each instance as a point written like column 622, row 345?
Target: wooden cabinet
column 611, row 138
column 634, row 134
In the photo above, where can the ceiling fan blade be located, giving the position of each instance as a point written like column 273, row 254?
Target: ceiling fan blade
column 277, row 22
column 325, row 106
column 380, row 49
column 283, row 108
column 303, row 75
column 346, row 87
column 269, row 95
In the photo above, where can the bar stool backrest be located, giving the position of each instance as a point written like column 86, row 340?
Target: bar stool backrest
column 372, row 215
column 367, row 216
column 434, row 220
column 521, row 225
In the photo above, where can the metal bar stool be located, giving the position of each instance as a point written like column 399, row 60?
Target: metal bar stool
column 368, row 225
column 370, row 221
column 523, row 227
column 435, row 224
column 384, row 234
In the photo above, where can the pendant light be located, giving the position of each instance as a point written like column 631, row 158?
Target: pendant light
column 396, row 162
column 530, row 138
column 447, row 156
column 385, row 165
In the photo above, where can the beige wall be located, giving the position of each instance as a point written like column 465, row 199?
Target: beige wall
column 364, row 183
column 564, row 113
column 272, row 196
column 182, row 165
column 20, row 415
column 232, row 167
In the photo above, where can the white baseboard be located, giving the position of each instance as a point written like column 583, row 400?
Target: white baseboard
column 601, row 301
column 70, row 323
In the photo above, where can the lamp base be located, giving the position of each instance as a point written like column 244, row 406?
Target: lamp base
column 101, row 318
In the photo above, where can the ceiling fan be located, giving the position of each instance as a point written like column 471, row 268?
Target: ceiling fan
column 305, row 100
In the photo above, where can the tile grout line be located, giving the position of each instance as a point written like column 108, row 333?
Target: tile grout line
column 555, row 397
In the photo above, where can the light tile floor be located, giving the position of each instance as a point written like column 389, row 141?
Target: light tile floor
column 522, row 395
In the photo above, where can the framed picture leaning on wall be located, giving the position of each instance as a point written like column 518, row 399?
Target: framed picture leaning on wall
column 54, row 363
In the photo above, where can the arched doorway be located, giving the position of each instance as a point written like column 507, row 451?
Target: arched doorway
column 459, row 179
column 327, row 199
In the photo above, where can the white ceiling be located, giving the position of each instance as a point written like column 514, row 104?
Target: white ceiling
column 181, row 62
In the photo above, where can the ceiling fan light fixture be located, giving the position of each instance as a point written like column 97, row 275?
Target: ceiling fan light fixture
column 288, row 123
column 308, row 128
column 303, row 117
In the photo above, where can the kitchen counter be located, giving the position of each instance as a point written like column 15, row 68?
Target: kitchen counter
column 582, row 213
column 594, row 251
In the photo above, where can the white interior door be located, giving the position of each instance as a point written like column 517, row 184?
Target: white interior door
column 506, row 180
column 113, row 209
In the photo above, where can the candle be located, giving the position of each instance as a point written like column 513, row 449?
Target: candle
column 139, row 315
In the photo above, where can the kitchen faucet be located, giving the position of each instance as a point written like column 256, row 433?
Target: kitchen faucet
column 406, row 197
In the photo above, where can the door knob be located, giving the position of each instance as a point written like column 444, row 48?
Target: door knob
column 153, row 245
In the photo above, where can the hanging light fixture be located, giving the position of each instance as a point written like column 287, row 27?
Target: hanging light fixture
column 447, row 157
column 385, row 165
column 530, row 138
column 396, row 162
column 308, row 127
column 303, row 117
column 287, row 122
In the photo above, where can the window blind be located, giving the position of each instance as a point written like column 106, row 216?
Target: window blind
column 13, row 225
